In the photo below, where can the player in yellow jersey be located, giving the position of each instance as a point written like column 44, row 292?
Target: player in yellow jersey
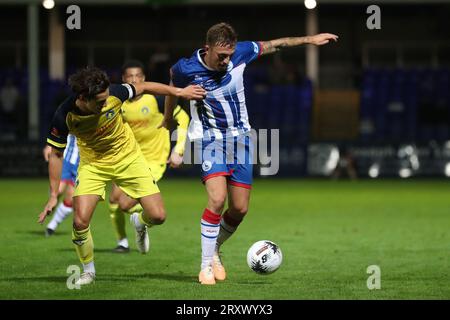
column 144, row 114
column 108, row 152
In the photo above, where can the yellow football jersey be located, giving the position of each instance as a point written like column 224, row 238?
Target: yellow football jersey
column 103, row 139
column 144, row 117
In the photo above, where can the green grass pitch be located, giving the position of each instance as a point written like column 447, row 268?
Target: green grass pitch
column 329, row 232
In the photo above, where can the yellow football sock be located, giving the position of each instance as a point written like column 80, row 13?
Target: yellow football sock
column 143, row 220
column 84, row 245
column 136, row 208
column 118, row 220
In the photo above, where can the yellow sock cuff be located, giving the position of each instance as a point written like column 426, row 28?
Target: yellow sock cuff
column 113, row 206
column 136, row 208
column 141, row 220
column 80, row 235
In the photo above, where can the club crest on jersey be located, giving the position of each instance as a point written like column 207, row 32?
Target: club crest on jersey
column 206, row 165
column 145, row 110
column 110, row 114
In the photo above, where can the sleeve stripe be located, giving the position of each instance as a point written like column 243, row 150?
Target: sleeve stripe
column 56, row 144
column 260, row 45
column 134, row 89
column 131, row 90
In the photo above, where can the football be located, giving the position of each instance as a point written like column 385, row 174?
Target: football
column 264, row 257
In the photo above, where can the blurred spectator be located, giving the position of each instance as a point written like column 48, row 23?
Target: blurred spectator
column 159, row 65
column 9, row 96
column 115, row 77
column 9, row 99
column 281, row 73
column 346, row 165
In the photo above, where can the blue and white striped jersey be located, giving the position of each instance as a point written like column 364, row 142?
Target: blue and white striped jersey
column 71, row 153
column 223, row 111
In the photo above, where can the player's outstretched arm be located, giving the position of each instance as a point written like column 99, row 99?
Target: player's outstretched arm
column 55, row 163
column 192, row 92
column 277, row 44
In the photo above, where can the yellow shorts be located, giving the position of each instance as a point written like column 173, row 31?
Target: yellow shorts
column 157, row 170
column 134, row 178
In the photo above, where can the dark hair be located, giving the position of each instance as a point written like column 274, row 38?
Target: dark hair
column 89, row 82
column 221, row 34
column 133, row 64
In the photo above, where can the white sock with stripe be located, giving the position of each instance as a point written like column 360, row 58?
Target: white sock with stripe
column 209, row 231
column 62, row 211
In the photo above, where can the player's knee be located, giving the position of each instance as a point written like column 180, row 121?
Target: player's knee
column 217, row 202
column 79, row 223
column 159, row 220
column 61, row 189
column 68, row 202
column 240, row 210
column 159, row 216
column 113, row 199
column 125, row 206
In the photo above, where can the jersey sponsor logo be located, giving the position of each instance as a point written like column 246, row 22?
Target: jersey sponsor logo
column 206, row 165
column 215, row 83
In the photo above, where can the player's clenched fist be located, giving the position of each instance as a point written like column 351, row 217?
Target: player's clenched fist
column 175, row 160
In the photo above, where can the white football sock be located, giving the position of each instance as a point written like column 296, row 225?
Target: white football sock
column 62, row 211
column 209, row 234
column 123, row 242
column 89, row 267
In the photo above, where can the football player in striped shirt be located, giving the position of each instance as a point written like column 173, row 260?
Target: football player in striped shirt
column 220, row 123
column 144, row 114
column 108, row 152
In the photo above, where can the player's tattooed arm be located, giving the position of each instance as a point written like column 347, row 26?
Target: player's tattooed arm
column 277, row 44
